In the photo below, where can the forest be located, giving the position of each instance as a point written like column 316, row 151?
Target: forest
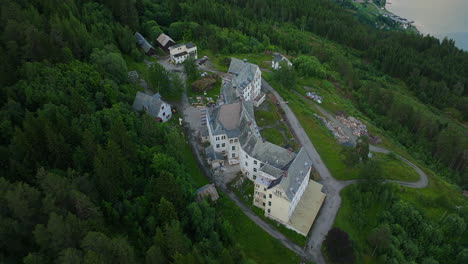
column 82, row 174
column 84, row 178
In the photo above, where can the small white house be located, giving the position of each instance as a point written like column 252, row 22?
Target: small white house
column 180, row 52
column 153, row 105
column 277, row 59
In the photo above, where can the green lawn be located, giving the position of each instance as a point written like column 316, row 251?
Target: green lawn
column 395, row 169
column 198, row 178
column 273, row 135
column 140, row 67
column 256, row 243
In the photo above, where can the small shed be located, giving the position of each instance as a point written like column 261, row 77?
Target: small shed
column 207, row 190
column 144, row 44
column 165, row 42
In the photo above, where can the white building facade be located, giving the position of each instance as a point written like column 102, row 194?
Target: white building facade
column 247, row 79
column 181, row 52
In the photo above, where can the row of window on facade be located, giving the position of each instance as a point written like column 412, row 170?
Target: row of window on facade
column 222, row 137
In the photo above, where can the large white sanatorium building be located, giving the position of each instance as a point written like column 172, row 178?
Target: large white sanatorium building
column 281, row 177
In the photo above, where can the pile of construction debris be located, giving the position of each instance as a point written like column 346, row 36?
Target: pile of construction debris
column 334, row 129
column 358, row 128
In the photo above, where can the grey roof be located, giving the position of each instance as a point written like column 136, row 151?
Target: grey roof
column 296, row 173
column 272, row 154
column 229, row 93
column 188, row 45
column 212, row 155
column 163, row 39
column 270, row 170
column 142, row 42
column 151, row 104
column 226, row 120
column 278, row 57
column 244, row 72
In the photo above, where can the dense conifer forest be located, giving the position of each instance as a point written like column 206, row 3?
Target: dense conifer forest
column 84, row 179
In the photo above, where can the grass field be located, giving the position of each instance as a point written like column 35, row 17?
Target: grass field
column 273, row 135
column 395, row 169
column 256, row 243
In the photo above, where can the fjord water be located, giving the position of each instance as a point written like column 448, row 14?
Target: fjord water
column 440, row 18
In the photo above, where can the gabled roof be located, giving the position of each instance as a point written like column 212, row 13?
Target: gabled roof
column 142, row 42
column 296, row 173
column 163, row 39
column 148, row 103
column 244, row 72
column 278, row 57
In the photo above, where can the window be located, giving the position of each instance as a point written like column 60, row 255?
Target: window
column 264, row 196
column 217, row 138
column 223, row 145
column 264, row 189
column 235, row 140
column 233, row 155
column 255, row 177
column 246, row 156
column 270, row 195
column 217, row 145
column 269, row 203
column 230, row 141
column 255, row 162
column 246, row 164
column 263, row 204
column 233, row 147
column 164, row 113
column 162, row 107
column 269, row 210
column 224, row 137
column 255, row 169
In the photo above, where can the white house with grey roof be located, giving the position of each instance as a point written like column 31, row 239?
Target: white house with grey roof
column 246, row 79
column 281, row 177
column 279, row 59
column 153, row 105
column 180, row 52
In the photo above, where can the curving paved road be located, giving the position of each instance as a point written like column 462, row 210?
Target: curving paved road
column 331, row 187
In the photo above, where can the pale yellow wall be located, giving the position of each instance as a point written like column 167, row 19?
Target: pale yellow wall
column 279, row 206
